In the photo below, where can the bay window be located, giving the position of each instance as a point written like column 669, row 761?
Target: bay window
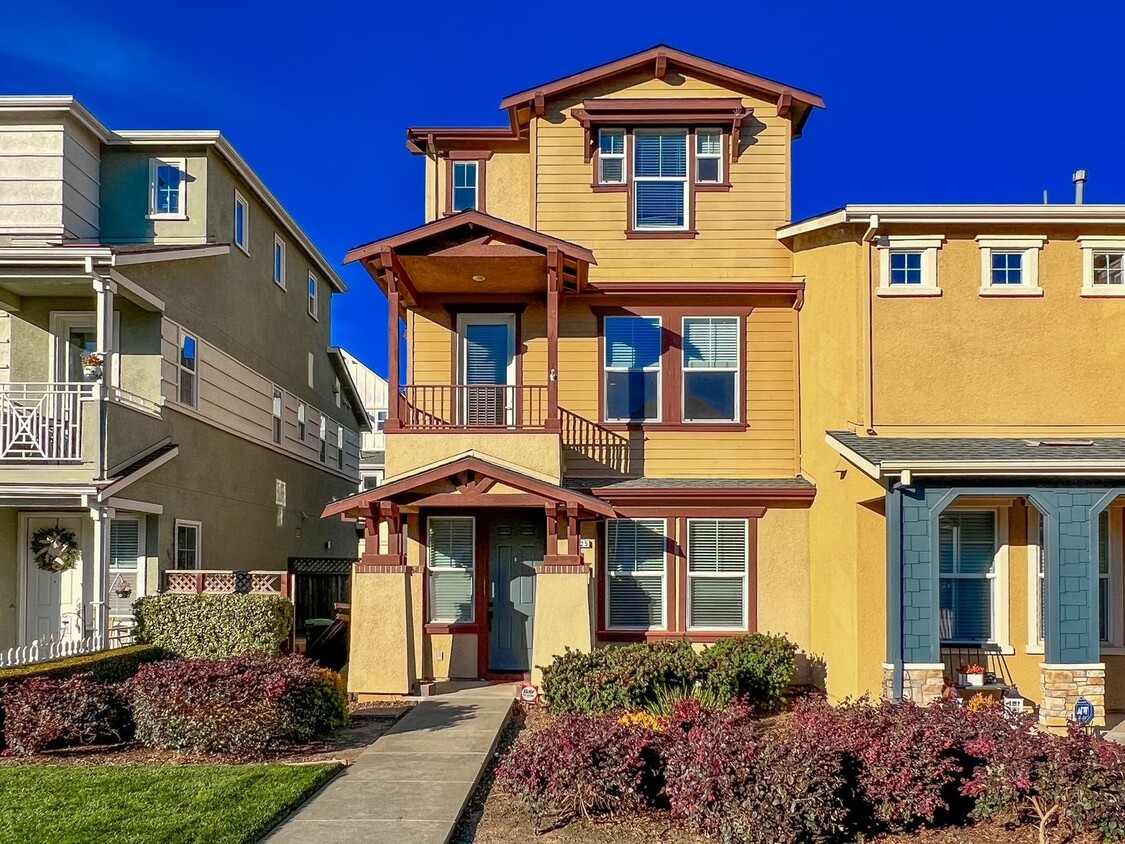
column 711, row 362
column 660, row 179
column 449, row 563
column 718, row 558
column 633, row 346
column 635, row 573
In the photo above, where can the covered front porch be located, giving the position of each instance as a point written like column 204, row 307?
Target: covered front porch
column 1004, row 561
column 476, row 566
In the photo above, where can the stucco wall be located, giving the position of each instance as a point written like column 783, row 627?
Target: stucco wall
column 125, row 197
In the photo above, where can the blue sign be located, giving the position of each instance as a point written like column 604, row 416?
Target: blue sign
column 1083, row 711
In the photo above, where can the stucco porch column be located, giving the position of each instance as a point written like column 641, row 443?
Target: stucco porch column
column 564, row 615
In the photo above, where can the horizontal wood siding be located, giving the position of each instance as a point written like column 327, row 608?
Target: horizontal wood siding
column 737, row 228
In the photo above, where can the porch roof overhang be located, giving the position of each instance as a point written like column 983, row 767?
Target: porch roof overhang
column 884, row 457
column 472, row 252
column 697, row 491
column 473, row 478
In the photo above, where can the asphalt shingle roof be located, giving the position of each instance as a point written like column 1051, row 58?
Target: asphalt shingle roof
column 879, row 450
column 687, row 483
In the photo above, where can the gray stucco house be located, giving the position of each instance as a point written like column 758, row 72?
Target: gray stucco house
column 169, row 398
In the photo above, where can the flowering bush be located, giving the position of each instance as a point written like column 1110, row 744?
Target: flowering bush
column 43, row 713
column 579, row 766
column 242, row 705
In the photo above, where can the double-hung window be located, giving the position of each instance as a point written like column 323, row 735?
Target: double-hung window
column 323, row 438
column 302, row 420
column 189, row 544
column 278, row 407
column 466, row 193
column 241, row 223
column 711, row 362
column 633, row 346
column 313, row 296
column 718, row 558
column 967, row 554
column 709, row 156
column 340, row 447
column 279, row 261
column 611, row 157
column 449, row 563
column 660, row 180
column 189, row 369
column 635, row 573
column 167, row 191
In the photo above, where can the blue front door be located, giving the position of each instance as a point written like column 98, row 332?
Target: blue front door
column 515, row 546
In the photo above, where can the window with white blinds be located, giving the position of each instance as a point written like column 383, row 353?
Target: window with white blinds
column 449, row 560
column 660, row 182
column 711, row 361
column 718, row 557
column 635, row 573
column 124, row 551
column 633, row 345
column 967, row 552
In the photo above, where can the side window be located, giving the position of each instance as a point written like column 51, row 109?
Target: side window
column 611, row 157
column 189, row 370
column 278, row 410
column 709, row 156
column 241, row 223
column 279, row 261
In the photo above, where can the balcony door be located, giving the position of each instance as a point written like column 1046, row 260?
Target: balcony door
column 487, row 369
column 75, row 333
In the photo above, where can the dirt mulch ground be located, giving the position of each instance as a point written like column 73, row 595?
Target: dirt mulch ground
column 368, row 722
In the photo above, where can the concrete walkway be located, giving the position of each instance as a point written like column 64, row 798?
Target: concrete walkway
column 411, row 785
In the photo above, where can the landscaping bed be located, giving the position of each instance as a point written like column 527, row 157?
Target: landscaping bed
column 137, row 805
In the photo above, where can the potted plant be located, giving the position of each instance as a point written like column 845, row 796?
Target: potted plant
column 972, row 675
column 92, row 366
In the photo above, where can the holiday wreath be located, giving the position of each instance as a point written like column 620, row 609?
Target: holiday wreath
column 55, row 549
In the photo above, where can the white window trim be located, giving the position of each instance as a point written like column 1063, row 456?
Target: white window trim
column 658, row 369
column 302, row 421
column 140, row 586
column 240, row 202
column 1035, row 644
column 277, row 241
column 745, row 578
column 1116, row 615
column 314, row 297
column 613, row 156
column 663, row 581
column 928, row 245
column 720, row 156
column 737, row 372
column 1029, row 246
column 340, row 447
column 687, row 178
column 1000, row 634
column 277, row 415
column 153, row 164
column 198, row 541
column 472, row 573
column 182, row 333
column 1099, row 243
column 323, row 437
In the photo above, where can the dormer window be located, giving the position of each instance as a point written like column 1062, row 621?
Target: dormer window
column 611, row 157
column 660, row 183
column 167, row 192
column 708, row 156
column 465, row 185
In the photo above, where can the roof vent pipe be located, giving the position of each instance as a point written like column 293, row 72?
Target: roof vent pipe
column 1079, row 179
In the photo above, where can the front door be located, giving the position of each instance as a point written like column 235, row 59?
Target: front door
column 515, row 545
column 53, row 605
column 487, row 369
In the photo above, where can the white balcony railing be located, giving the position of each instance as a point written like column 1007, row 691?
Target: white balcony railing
column 42, row 422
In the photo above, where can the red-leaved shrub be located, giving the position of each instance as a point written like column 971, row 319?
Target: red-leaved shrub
column 44, row 713
column 581, row 765
column 243, row 705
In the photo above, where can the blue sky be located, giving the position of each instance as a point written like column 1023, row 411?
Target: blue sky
column 951, row 102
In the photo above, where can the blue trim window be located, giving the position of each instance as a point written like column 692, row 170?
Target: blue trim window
column 906, row 267
column 1007, row 268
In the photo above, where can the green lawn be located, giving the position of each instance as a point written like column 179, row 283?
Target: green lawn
column 174, row 804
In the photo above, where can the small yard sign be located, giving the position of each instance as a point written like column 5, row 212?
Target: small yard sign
column 1083, row 711
column 529, row 693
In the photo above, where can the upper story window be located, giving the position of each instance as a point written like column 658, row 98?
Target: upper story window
column 660, row 180
column 279, row 261
column 340, row 447
column 323, row 438
column 709, row 156
column 380, row 419
column 278, row 409
column 466, row 188
column 611, row 157
column 167, row 188
column 241, row 223
column 313, row 295
column 711, row 362
column 1103, row 265
column 302, row 420
column 1010, row 266
column 189, row 370
column 908, row 265
column 633, row 348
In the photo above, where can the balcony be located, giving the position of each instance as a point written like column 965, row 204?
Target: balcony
column 42, row 422
column 477, row 407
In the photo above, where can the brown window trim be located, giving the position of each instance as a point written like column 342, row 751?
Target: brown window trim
column 676, row 578
column 481, row 157
column 671, row 367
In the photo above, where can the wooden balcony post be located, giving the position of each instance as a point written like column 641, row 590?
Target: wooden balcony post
column 393, row 340
column 553, row 295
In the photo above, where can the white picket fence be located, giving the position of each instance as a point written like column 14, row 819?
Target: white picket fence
column 42, row 651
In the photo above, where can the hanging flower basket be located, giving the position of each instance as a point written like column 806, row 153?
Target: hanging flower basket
column 55, row 549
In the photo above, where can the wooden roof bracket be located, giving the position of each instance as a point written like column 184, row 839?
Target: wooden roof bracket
column 540, row 104
column 784, row 104
column 736, row 132
column 661, row 65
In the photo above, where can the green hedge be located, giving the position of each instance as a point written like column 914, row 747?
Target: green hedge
column 112, row 666
column 213, row 626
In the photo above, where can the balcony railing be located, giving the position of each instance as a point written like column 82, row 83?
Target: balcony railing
column 42, row 422
column 448, row 407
